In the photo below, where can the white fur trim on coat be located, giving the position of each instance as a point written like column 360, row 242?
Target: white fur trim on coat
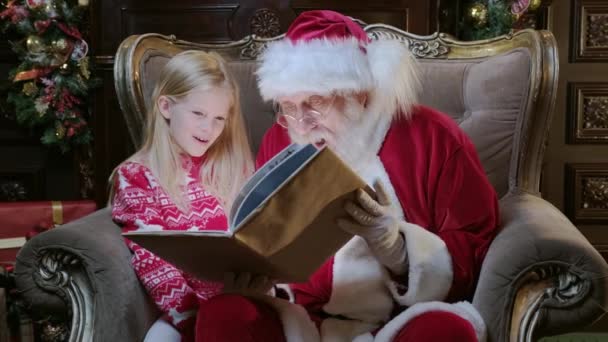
column 320, row 66
column 430, row 267
column 463, row 309
column 356, row 272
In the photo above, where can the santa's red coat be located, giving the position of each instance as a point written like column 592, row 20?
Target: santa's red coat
column 450, row 211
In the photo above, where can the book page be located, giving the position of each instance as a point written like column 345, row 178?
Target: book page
column 257, row 176
column 268, row 180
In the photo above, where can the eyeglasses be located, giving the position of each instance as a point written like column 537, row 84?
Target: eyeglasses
column 312, row 111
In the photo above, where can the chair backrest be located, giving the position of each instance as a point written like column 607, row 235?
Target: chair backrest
column 501, row 91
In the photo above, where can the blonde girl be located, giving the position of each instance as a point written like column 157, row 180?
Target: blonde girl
column 194, row 158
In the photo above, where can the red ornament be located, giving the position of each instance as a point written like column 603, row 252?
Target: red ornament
column 35, row 3
column 42, row 25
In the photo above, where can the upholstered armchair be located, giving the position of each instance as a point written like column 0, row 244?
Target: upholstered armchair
column 540, row 277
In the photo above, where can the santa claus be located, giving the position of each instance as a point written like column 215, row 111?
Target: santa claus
column 419, row 245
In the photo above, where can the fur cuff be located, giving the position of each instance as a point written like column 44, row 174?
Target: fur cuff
column 430, row 267
column 463, row 309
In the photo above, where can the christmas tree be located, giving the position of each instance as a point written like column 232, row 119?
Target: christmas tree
column 51, row 86
column 491, row 18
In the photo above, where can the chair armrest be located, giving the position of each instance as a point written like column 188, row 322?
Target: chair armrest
column 81, row 273
column 541, row 276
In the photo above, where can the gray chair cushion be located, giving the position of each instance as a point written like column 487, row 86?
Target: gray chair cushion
column 485, row 97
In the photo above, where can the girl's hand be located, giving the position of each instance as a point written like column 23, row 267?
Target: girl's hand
column 247, row 284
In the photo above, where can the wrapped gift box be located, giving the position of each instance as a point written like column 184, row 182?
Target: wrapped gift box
column 19, row 220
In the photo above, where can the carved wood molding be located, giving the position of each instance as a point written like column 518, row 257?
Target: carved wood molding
column 588, row 113
column 432, row 46
column 589, row 39
column 265, row 23
column 546, row 286
column 62, row 273
column 587, row 186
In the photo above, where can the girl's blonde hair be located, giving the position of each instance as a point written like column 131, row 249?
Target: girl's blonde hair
column 228, row 161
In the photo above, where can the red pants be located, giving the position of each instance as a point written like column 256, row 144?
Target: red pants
column 228, row 318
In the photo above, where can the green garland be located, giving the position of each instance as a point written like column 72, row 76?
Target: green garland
column 51, row 86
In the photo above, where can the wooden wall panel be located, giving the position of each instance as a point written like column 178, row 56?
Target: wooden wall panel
column 589, row 39
column 209, row 23
column 588, row 113
column 587, row 185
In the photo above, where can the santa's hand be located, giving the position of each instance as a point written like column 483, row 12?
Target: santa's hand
column 377, row 223
column 247, row 284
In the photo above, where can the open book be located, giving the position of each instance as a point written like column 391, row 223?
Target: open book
column 282, row 223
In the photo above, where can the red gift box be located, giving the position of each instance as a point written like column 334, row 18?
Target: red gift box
column 21, row 220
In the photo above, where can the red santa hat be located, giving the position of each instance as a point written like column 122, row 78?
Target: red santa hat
column 325, row 51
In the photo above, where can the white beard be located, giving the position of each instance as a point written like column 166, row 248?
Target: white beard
column 356, row 141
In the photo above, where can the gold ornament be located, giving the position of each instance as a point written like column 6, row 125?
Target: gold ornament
column 60, row 45
column 534, row 5
column 478, row 14
column 30, row 88
column 35, row 44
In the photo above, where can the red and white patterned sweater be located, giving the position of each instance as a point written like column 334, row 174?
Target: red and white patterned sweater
column 140, row 203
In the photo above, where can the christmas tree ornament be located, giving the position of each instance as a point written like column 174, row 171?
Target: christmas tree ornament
column 534, row 5
column 34, row 3
column 83, row 64
column 30, row 88
column 41, row 106
column 81, row 49
column 59, row 131
column 50, row 7
column 60, row 45
column 64, row 69
column 35, row 44
column 478, row 14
